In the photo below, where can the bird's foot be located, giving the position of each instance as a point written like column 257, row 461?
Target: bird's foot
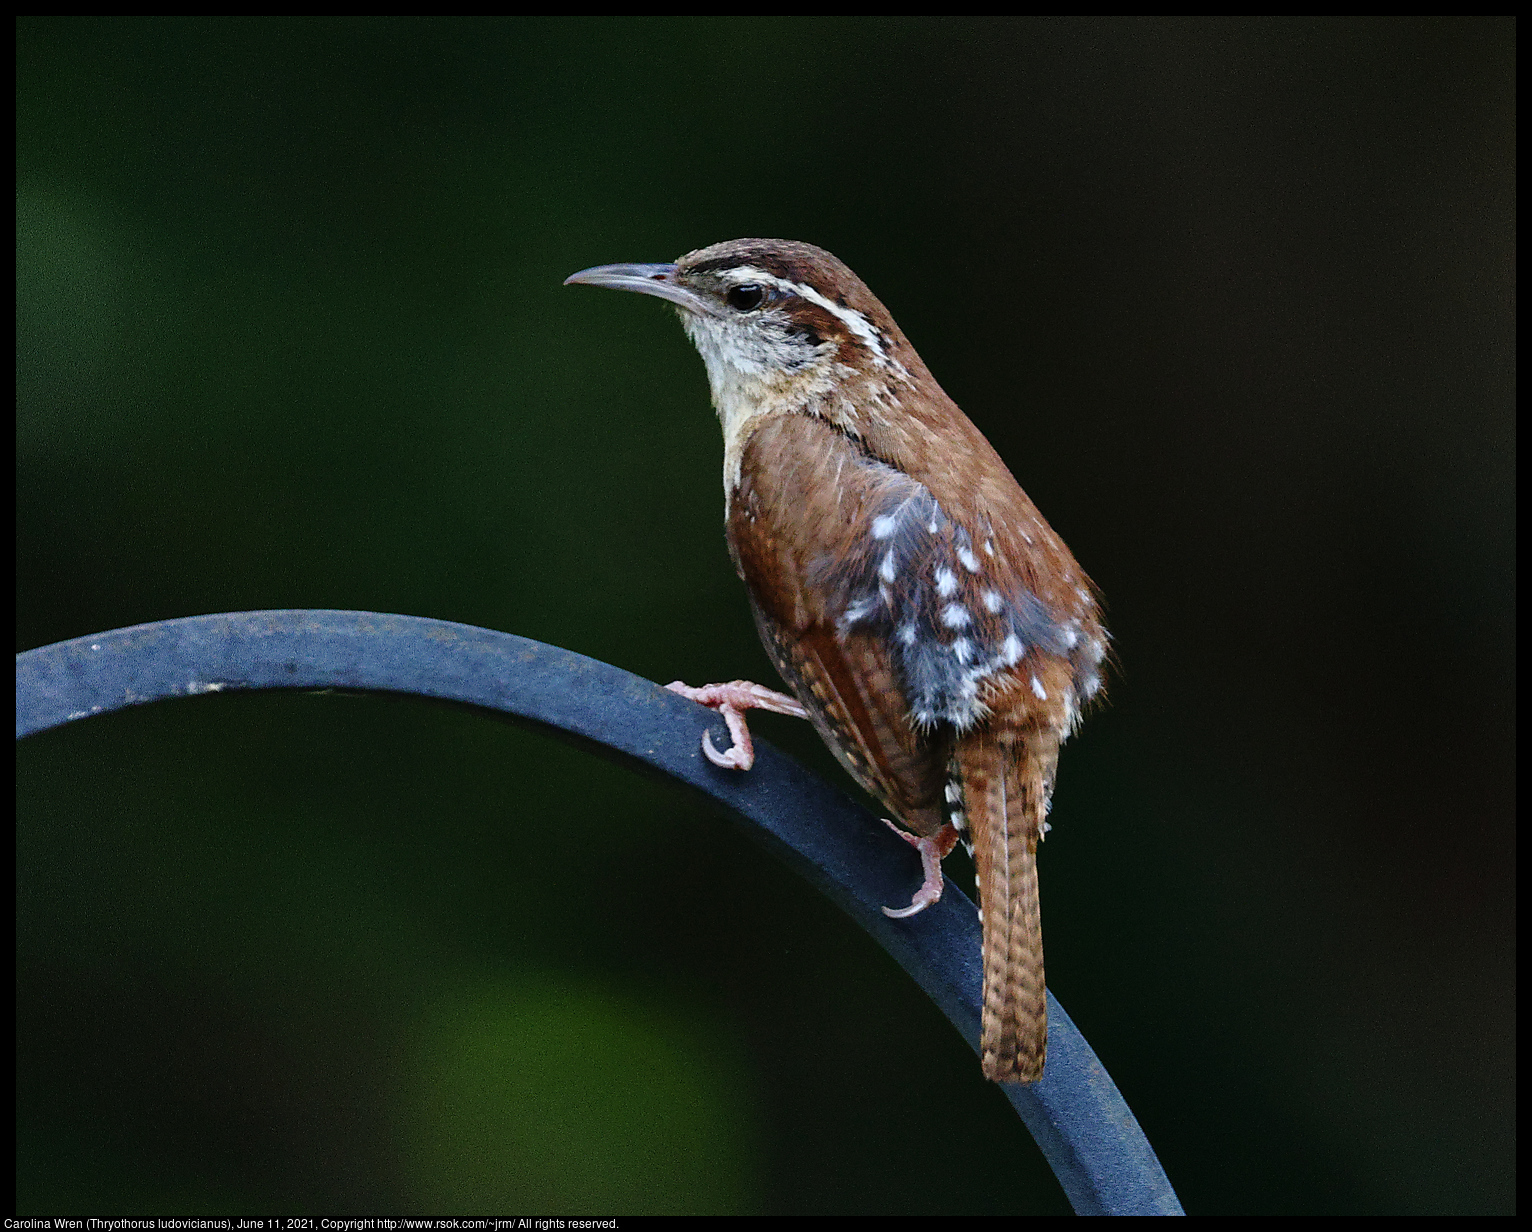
column 731, row 701
column 932, row 851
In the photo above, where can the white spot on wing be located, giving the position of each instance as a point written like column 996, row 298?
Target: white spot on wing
column 883, row 527
column 970, row 561
column 1037, row 687
column 962, row 649
column 889, row 569
column 955, row 616
column 992, row 601
column 946, row 582
column 856, row 612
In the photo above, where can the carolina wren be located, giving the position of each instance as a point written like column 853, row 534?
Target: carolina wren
column 931, row 625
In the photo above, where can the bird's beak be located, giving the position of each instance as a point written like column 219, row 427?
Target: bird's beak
column 657, row 280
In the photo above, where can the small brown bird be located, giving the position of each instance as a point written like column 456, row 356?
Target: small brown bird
column 931, row 625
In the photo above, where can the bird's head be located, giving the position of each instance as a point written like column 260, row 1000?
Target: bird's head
column 783, row 327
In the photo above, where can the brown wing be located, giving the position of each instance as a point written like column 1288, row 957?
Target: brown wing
column 788, row 527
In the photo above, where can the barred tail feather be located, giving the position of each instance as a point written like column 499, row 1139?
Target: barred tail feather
column 1004, row 790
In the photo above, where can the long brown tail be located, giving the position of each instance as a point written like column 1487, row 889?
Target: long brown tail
column 1004, row 798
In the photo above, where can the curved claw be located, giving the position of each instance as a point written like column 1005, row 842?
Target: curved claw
column 735, row 757
column 924, row 897
column 931, row 849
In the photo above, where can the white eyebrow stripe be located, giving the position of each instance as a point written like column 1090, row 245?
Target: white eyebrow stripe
column 850, row 317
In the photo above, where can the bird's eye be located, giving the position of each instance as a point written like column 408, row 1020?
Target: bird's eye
column 746, row 296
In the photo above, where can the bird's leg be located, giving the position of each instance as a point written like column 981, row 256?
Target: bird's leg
column 731, row 701
column 932, row 851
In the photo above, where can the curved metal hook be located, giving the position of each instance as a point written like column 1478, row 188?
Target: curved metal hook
column 1075, row 1113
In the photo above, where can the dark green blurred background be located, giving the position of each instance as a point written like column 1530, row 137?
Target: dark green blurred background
column 1232, row 297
